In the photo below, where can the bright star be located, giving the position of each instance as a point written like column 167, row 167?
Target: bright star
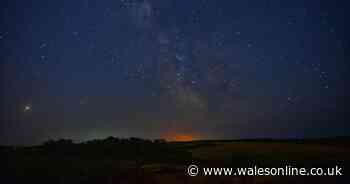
column 27, row 108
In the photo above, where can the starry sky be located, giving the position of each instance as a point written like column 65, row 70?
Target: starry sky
column 200, row 69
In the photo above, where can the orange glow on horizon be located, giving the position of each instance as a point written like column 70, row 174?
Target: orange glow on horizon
column 183, row 138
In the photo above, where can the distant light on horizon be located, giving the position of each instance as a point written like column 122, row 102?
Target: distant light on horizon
column 182, row 138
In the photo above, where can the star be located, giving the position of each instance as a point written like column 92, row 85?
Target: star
column 179, row 57
column 43, row 45
column 27, row 108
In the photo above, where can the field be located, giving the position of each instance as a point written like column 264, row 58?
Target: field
column 135, row 160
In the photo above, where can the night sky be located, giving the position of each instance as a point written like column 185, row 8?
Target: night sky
column 196, row 69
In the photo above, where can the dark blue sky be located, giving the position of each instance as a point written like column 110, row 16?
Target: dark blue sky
column 159, row 68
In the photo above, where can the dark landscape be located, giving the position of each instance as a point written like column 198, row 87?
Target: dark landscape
column 134, row 160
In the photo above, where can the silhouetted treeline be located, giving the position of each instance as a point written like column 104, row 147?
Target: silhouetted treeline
column 133, row 148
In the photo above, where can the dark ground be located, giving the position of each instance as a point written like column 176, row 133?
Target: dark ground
column 134, row 160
